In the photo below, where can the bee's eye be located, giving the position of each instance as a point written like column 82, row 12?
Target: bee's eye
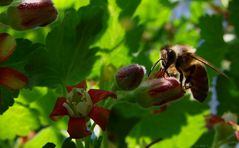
column 171, row 55
column 170, row 58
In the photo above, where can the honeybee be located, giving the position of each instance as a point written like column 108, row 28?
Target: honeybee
column 182, row 59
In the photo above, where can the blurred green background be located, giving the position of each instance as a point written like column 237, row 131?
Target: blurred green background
column 92, row 39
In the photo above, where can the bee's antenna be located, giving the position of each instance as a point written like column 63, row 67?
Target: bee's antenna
column 155, row 64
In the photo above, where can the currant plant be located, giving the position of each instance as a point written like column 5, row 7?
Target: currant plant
column 79, row 73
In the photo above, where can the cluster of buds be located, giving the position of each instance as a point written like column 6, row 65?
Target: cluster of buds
column 156, row 90
column 80, row 105
column 30, row 14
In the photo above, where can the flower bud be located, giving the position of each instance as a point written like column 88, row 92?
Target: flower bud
column 7, row 46
column 27, row 15
column 129, row 77
column 158, row 91
column 212, row 120
column 12, row 79
column 5, row 2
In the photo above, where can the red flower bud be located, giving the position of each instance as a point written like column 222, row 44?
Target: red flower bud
column 158, row 91
column 129, row 77
column 7, row 46
column 27, row 15
column 5, row 2
column 12, row 79
column 212, row 120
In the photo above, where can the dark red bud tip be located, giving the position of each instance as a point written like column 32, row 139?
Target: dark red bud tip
column 129, row 77
column 5, row 2
column 7, row 46
column 12, row 79
column 29, row 15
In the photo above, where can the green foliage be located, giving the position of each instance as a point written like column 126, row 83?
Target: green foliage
column 175, row 124
column 68, row 57
column 90, row 40
column 212, row 39
column 49, row 133
column 6, row 98
column 233, row 9
column 9, row 125
column 68, row 143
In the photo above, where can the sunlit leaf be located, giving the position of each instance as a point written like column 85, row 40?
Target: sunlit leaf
column 17, row 121
column 68, row 57
column 48, row 134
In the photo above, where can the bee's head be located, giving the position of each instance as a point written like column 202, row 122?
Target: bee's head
column 168, row 57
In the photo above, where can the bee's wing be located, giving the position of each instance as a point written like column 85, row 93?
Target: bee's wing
column 209, row 64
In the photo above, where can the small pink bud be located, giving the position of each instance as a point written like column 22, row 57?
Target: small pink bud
column 7, row 46
column 5, row 2
column 27, row 15
column 158, row 91
column 129, row 77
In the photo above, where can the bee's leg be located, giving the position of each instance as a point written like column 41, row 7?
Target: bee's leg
column 177, row 65
column 187, row 83
column 180, row 76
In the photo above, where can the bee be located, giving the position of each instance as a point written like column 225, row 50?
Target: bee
column 182, row 59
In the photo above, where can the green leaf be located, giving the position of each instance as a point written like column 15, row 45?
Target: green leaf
column 154, row 13
column 70, row 47
column 44, row 105
column 17, row 121
column 49, row 145
column 27, row 96
column 192, row 131
column 125, row 116
column 128, row 7
column 41, row 72
column 211, row 28
column 212, row 40
column 205, row 140
column 181, row 120
column 68, row 57
column 234, row 15
column 107, row 76
column 228, row 94
column 6, row 98
column 68, row 143
column 232, row 56
column 24, row 50
column 48, row 134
